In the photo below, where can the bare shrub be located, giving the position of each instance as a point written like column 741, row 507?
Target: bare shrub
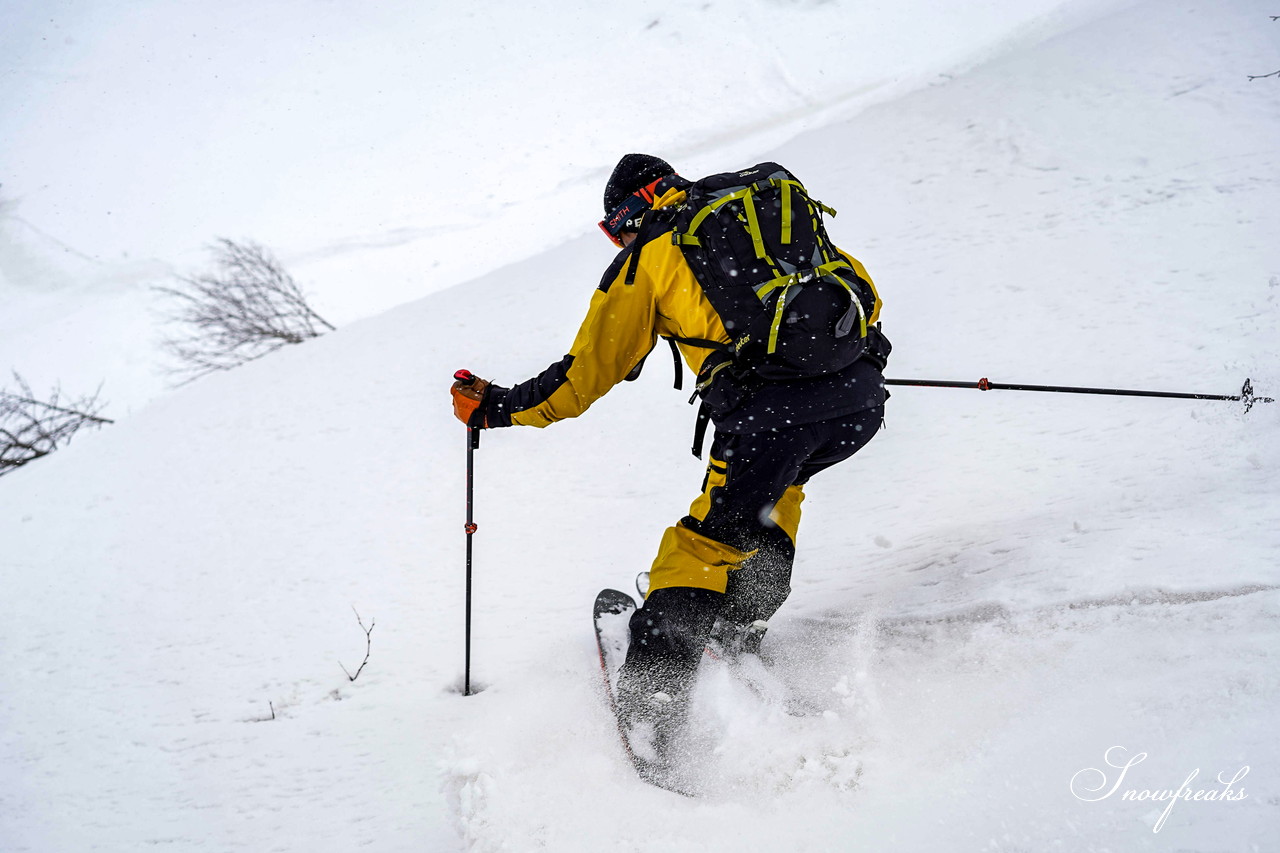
column 31, row 428
column 248, row 307
column 368, row 646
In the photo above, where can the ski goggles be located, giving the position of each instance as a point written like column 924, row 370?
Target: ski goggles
column 626, row 216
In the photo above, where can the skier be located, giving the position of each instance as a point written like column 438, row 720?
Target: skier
column 727, row 565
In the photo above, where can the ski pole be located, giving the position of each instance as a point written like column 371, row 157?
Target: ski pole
column 1246, row 393
column 467, row 378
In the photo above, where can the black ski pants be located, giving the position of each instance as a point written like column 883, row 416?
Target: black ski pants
column 748, row 475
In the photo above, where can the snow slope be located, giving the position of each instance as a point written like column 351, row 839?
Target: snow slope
column 388, row 151
column 999, row 589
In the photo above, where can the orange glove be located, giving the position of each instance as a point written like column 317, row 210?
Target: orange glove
column 468, row 394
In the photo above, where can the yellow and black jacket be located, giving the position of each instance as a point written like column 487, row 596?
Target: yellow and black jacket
column 662, row 298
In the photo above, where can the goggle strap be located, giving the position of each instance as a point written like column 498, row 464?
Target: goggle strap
column 641, row 199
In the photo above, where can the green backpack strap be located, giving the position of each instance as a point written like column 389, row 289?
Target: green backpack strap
column 825, row 272
column 745, row 194
column 788, row 189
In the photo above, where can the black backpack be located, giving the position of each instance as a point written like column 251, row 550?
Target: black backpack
column 792, row 304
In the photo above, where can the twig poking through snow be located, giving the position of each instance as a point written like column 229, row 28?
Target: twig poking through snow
column 368, row 645
column 1273, row 73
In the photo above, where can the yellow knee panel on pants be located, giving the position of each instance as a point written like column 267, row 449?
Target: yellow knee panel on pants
column 686, row 558
column 786, row 512
column 689, row 559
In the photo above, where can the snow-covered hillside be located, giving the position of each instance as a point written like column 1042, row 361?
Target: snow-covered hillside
column 999, row 589
column 394, row 150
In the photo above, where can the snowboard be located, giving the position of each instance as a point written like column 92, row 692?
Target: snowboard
column 612, row 617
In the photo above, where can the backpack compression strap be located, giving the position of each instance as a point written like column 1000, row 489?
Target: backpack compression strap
column 785, row 280
column 745, row 195
column 825, row 272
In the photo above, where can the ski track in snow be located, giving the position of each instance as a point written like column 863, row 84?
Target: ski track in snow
column 997, row 590
column 898, row 727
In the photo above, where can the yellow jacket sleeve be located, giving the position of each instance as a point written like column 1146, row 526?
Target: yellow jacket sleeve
column 616, row 334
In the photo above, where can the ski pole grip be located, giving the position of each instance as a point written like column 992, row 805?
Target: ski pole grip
column 467, row 379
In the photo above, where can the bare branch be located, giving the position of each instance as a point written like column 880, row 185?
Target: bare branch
column 86, row 415
column 1273, row 73
column 368, row 645
column 247, row 308
column 31, row 427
